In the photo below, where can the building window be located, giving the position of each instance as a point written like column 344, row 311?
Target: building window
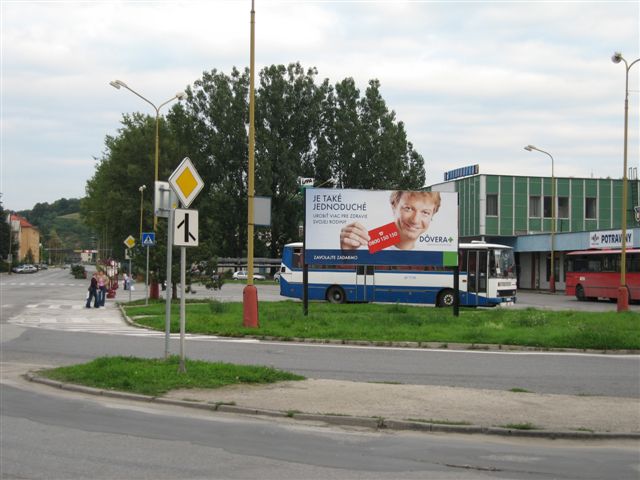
column 563, row 207
column 590, row 208
column 547, row 207
column 534, row 207
column 492, row 205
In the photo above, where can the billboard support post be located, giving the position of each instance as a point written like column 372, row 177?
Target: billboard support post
column 456, row 291
column 305, row 266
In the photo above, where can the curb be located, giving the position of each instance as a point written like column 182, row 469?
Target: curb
column 374, row 423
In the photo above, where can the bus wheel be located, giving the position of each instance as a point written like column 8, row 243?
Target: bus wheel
column 580, row 293
column 335, row 294
column 445, row 298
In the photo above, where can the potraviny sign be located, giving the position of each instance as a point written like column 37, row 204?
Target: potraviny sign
column 609, row 239
column 381, row 227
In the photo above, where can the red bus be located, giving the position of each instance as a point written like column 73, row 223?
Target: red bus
column 593, row 274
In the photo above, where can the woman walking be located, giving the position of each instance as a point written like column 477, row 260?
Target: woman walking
column 93, row 292
column 102, row 288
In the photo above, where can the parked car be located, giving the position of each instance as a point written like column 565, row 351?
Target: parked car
column 26, row 268
column 243, row 275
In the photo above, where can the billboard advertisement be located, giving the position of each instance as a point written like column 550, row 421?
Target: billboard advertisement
column 381, row 227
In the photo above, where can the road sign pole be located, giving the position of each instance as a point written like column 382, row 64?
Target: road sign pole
column 183, row 261
column 130, row 282
column 146, row 281
column 169, row 290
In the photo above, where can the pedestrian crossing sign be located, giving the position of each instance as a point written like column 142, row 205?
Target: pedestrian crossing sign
column 148, row 239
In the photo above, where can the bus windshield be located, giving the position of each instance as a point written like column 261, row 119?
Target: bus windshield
column 502, row 263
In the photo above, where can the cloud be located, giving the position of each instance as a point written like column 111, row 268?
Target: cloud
column 473, row 82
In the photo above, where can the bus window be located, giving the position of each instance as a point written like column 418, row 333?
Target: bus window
column 297, row 258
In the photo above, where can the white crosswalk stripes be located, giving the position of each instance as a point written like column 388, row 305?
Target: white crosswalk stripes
column 67, row 317
column 75, row 317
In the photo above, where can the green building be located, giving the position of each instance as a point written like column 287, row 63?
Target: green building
column 517, row 211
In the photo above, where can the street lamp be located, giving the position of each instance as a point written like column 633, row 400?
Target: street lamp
column 141, row 190
column 623, row 293
column 178, row 96
column 552, row 276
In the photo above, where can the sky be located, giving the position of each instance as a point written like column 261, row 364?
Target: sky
column 473, row 82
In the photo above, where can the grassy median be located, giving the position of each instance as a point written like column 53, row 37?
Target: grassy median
column 397, row 322
column 158, row 376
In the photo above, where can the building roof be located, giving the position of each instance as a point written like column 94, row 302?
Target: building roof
column 24, row 223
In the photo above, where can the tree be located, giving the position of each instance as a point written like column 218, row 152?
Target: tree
column 5, row 232
column 303, row 128
column 288, row 118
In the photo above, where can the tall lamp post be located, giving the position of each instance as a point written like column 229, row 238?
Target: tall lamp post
column 552, row 276
column 146, row 277
column 178, row 96
column 141, row 190
column 623, row 292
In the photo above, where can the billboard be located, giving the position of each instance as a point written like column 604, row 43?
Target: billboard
column 381, row 227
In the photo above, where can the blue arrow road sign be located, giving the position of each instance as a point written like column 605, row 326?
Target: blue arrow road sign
column 148, row 239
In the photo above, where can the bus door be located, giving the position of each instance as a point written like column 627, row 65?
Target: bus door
column 477, row 276
column 365, row 283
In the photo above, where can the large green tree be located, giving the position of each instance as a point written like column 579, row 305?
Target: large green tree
column 303, row 128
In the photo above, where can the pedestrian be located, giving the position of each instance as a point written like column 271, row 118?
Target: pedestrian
column 93, row 292
column 102, row 288
column 126, row 281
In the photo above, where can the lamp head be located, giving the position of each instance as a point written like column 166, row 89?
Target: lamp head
column 114, row 84
column 142, row 188
column 616, row 57
column 181, row 95
column 529, row 148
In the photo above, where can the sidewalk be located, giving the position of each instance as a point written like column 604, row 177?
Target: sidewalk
column 464, row 409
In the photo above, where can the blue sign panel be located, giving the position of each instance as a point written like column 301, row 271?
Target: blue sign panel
column 148, row 239
column 461, row 172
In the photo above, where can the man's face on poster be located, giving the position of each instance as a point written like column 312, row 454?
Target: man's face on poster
column 413, row 215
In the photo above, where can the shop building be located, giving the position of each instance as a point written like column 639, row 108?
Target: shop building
column 517, row 211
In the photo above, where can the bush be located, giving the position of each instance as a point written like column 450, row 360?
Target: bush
column 78, row 271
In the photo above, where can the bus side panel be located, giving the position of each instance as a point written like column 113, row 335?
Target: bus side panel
column 633, row 282
column 405, row 294
column 597, row 284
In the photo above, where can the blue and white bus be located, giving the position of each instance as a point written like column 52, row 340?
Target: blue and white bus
column 487, row 278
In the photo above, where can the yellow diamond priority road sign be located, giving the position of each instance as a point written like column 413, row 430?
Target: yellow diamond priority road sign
column 186, row 182
column 130, row 242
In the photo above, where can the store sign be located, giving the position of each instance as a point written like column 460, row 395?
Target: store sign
column 461, row 172
column 609, row 239
column 381, row 227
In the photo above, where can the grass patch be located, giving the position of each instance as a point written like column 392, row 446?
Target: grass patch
column 158, row 376
column 405, row 323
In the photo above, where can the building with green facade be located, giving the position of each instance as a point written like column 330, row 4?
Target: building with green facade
column 517, row 211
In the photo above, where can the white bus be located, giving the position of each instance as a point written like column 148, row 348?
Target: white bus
column 487, row 278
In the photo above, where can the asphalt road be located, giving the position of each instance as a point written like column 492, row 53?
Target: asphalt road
column 59, row 435
column 68, row 336
column 50, row 433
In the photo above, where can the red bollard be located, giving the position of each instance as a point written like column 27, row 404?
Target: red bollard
column 250, row 307
column 154, row 290
column 623, row 299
